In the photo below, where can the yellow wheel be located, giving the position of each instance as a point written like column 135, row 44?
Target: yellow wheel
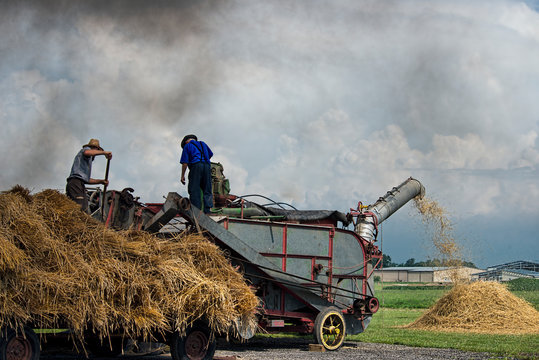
column 330, row 328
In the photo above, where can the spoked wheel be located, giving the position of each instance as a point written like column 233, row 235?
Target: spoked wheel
column 18, row 345
column 330, row 328
column 197, row 344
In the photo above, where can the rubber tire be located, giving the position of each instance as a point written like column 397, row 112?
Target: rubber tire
column 319, row 322
column 104, row 348
column 30, row 339
column 177, row 343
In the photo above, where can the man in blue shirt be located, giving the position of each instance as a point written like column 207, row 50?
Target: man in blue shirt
column 196, row 155
column 81, row 170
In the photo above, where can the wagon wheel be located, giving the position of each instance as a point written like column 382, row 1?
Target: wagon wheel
column 18, row 346
column 197, row 344
column 330, row 328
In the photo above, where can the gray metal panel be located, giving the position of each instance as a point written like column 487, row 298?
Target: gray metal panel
column 300, row 267
column 306, row 241
column 347, row 254
column 272, row 298
column 346, row 284
column 370, row 280
column 265, row 238
column 278, row 262
column 292, row 304
column 355, row 326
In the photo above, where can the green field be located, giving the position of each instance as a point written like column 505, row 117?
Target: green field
column 421, row 296
column 399, row 296
column 401, row 305
column 530, row 296
column 384, row 328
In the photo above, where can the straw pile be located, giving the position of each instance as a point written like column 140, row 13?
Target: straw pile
column 480, row 307
column 61, row 268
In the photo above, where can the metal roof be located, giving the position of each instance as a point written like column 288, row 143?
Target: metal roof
column 493, row 272
column 519, row 264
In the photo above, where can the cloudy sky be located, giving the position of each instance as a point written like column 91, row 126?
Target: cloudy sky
column 320, row 104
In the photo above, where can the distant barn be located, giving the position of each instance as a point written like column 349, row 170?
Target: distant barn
column 424, row 274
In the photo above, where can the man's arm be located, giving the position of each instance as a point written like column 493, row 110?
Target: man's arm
column 98, row 181
column 95, row 152
column 184, row 168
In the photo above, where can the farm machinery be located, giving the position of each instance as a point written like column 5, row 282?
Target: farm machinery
column 311, row 269
column 312, row 274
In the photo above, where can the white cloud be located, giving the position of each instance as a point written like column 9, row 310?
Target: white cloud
column 519, row 17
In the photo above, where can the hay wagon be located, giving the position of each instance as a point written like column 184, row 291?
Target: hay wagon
column 59, row 269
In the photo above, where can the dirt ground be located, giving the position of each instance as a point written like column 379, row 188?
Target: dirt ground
column 296, row 349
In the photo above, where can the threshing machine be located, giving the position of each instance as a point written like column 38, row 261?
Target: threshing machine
column 311, row 273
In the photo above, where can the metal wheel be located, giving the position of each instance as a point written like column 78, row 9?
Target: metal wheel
column 17, row 345
column 373, row 305
column 197, row 344
column 330, row 328
column 94, row 202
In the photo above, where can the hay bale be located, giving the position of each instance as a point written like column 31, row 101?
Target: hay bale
column 61, row 268
column 480, row 307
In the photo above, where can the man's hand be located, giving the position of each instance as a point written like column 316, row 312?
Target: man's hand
column 98, row 181
column 184, row 168
column 96, row 152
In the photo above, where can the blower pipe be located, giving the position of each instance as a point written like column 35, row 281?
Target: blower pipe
column 375, row 214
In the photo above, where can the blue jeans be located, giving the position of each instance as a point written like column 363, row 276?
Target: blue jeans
column 200, row 182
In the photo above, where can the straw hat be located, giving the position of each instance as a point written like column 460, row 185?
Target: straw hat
column 94, row 143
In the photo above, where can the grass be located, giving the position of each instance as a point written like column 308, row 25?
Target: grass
column 523, row 284
column 384, row 328
column 404, row 296
column 530, row 296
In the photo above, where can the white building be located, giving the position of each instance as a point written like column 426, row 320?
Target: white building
column 425, row 274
